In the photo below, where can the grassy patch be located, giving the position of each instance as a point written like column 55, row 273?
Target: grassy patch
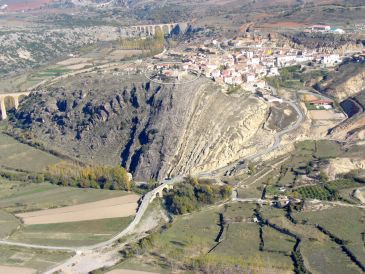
column 16, row 155
column 326, row 257
column 33, row 258
column 345, row 223
column 190, row 235
column 8, row 223
column 71, row 234
column 22, row 196
column 277, row 242
column 242, row 241
column 327, row 149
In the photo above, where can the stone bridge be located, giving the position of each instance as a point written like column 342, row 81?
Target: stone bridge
column 165, row 28
column 12, row 96
column 160, row 190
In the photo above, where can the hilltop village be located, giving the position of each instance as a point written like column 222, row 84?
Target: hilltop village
column 244, row 61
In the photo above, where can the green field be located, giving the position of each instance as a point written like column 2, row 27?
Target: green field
column 71, row 234
column 320, row 253
column 345, row 223
column 20, row 156
column 56, row 71
column 326, row 257
column 190, row 235
column 327, row 149
column 277, row 242
column 20, row 196
column 33, row 258
column 8, row 223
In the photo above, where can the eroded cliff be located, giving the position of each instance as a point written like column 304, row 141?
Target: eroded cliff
column 153, row 130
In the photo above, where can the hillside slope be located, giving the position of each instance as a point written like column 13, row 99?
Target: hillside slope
column 152, row 130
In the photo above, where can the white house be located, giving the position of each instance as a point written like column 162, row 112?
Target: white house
column 330, row 60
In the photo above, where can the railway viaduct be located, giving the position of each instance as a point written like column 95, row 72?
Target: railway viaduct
column 14, row 96
column 165, row 28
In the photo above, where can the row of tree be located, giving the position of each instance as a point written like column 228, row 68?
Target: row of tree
column 105, row 177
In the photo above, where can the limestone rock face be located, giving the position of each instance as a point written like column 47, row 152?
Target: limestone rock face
column 153, row 130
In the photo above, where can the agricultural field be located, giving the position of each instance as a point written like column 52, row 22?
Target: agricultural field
column 196, row 237
column 8, row 223
column 314, row 192
column 349, row 228
column 241, row 241
column 326, row 257
column 18, row 197
column 277, row 242
column 16, row 270
column 31, row 258
column 71, row 234
column 190, row 235
column 319, row 252
column 123, row 206
column 16, row 155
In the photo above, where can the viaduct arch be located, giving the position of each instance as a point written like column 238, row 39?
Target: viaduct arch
column 15, row 97
column 151, row 29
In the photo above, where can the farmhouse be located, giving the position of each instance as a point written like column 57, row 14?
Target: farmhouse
column 330, row 60
column 320, row 28
column 326, row 104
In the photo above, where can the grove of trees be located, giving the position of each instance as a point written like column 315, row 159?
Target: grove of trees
column 105, row 177
column 192, row 194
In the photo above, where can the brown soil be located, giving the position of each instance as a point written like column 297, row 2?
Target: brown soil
column 16, row 270
column 110, row 208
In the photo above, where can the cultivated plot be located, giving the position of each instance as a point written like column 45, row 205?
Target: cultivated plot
column 111, row 208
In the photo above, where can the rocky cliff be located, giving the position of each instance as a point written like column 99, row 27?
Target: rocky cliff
column 151, row 129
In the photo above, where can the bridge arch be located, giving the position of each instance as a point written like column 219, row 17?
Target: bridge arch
column 153, row 29
column 10, row 101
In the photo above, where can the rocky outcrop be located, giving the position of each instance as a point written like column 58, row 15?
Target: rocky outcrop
column 340, row 166
column 152, row 130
